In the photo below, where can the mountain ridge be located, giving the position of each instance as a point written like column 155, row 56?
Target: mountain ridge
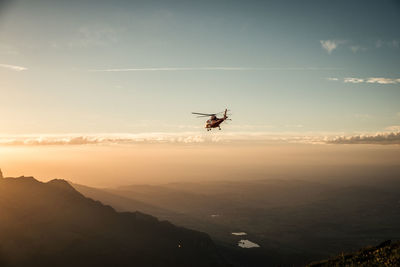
column 52, row 224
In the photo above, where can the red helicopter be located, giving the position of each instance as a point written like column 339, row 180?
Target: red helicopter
column 214, row 121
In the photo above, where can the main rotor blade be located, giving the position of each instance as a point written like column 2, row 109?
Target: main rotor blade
column 205, row 114
column 202, row 116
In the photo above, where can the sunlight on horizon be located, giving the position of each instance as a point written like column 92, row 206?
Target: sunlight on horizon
column 113, row 165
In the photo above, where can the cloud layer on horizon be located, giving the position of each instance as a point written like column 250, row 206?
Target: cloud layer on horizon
column 158, row 138
column 380, row 138
column 392, row 137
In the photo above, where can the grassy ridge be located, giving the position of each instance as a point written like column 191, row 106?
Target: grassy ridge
column 385, row 254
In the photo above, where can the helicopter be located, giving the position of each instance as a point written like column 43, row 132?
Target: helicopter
column 214, row 121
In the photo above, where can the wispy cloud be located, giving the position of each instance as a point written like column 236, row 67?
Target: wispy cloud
column 172, row 69
column 76, row 139
column 353, row 80
column 377, row 80
column 395, row 43
column 393, row 128
column 354, row 48
column 390, row 44
column 213, row 69
column 357, row 48
column 330, row 45
column 383, row 80
column 13, row 67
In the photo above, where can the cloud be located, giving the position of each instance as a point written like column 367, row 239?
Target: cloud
column 330, row 45
column 49, row 140
column 13, row 67
column 394, row 43
column 357, row 48
column 172, row 69
column 159, row 138
column 383, row 80
column 393, row 128
column 353, row 80
column 226, row 68
column 378, row 80
column 203, row 137
column 105, row 139
column 332, row 79
column 392, row 138
column 390, row 44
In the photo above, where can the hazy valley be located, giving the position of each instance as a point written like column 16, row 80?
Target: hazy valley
column 293, row 221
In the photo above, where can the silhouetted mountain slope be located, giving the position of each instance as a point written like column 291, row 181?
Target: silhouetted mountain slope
column 120, row 203
column 51, row 224
column 385, row 254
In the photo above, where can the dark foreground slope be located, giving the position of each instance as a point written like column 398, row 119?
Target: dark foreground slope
column 386, row 254
column 51, row 224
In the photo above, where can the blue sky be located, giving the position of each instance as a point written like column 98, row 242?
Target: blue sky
column 144, row 66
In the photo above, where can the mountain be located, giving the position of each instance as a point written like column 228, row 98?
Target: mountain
column 385, row 254
column 52, row 224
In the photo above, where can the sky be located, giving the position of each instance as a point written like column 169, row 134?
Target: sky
column 101, row 92
column 91, row 67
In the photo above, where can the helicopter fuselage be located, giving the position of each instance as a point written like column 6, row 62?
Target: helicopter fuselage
column 213, row 123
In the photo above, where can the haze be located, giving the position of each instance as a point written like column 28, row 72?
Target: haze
column 115, row 165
